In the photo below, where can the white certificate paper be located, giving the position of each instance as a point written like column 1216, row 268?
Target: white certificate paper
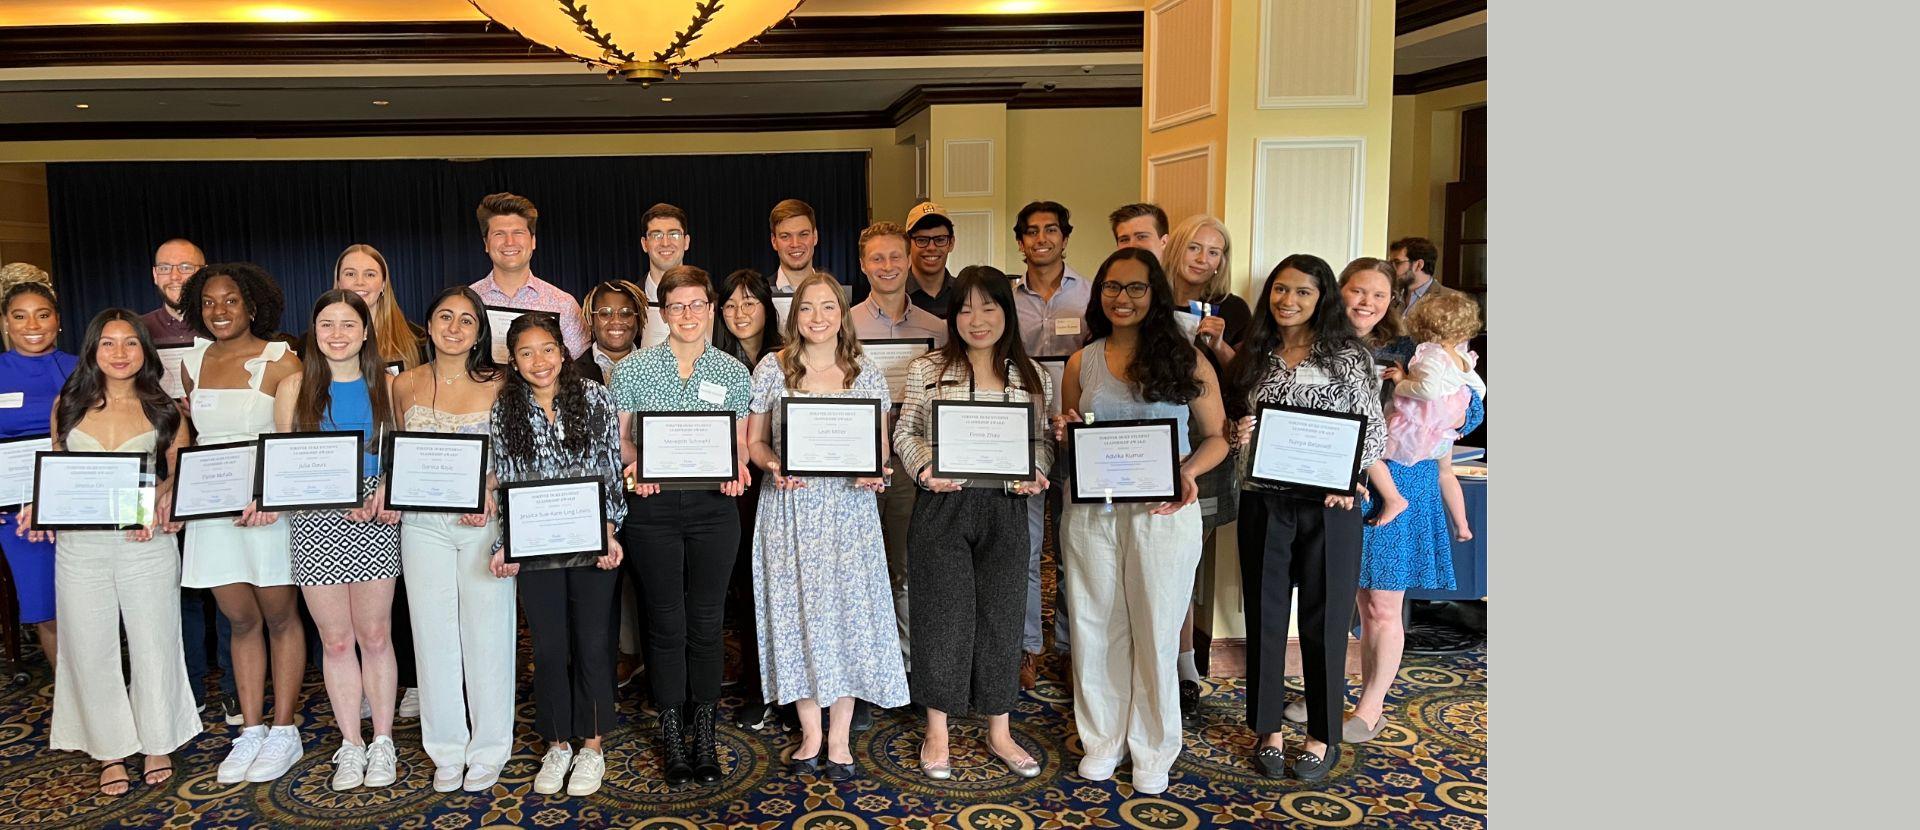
column 436, row 473
column 892, row 356
column 554, row 518
column 91, row 490
column 977, row 439
column 214, row 481
column 500, row 318
column 170, row 371
column 655, row 331
column 1307, row 448
column 309, row 471
column 1124, row 461
column 17, row 468
column 686, row 447
column 783, row 306
column 831, row 436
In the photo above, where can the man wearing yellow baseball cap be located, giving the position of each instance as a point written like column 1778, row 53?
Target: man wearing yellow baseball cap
column 930, row 237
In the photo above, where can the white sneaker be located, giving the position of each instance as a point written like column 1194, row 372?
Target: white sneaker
column 588, row 769
column 245, row 748
column 277, row 754
column 1148, row 783
column 409, row 707
column 447, row 779
column 481, row 778
column 349, row 767
column 1097, row 769
column 553, row 769
column 382, row 758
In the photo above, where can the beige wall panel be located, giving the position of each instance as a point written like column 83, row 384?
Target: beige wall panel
column 969, row 168
column 1313, row 53
column 1307, row 199
column 1183, row 80
column 974, row 239
column 1181, row 182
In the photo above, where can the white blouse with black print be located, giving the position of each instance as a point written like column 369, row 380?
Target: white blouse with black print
column 1342, row 382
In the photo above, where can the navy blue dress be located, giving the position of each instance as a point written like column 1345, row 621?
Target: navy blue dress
column 37, row 380
column 1415, row 550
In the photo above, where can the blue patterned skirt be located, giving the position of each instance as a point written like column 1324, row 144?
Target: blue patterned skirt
column 1415, row 550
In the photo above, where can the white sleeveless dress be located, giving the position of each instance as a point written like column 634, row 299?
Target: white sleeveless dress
column 217, row 552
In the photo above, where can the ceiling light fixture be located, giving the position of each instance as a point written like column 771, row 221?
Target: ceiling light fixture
column 644, row 42
column 381, row 103
column 82, row 106
column 666, row 99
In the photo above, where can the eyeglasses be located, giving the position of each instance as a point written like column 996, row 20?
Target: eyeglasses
column 1398, row 262
column 1135, row 290
column 681, row 309
column 747, row 304
column 940, row 241
column 185, row 269
column 656, row 236
column 624, row 313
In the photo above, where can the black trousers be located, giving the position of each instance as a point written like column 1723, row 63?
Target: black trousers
column 1287, row 541
column 967, row 568
column 681, row 546
column 402, row 636
column 572, row 661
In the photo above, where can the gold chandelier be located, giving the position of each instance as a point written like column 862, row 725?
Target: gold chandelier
column 642, row 40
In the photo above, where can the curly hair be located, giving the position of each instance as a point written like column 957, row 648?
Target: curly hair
column 1452, row 317
column 22, row 273
column 880, row 229
column 515, row 404
column 19, row 288
column 262, row 295
column 846, row 352
column 1163, row 362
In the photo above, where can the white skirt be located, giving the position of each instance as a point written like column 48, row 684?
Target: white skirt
column 218, row 553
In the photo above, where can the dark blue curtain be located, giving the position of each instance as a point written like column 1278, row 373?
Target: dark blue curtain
column 294, row 218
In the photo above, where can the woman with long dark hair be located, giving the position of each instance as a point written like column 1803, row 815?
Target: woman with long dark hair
column 550, row 423
column 1130, row 569
column 457, row 603
column 346, row 561
column 32, row 371
column 967, row 543
column 750, row 323
column 1301, row 351
column 108, row 579
column 749, row 329
column 245, row 561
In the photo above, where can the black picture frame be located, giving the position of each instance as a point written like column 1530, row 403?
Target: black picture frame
column 879, row 431
column 39, row 458
column 32, row 471
column 933, row 438
column 260, row 470
column 506, row 526
column 690, row 482
column 1053, row 400
column 387, row 470
column 181, row 459
column 1171, row 425
column 1359, row 442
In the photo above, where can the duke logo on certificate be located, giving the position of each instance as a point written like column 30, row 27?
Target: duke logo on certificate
column 1307, row 449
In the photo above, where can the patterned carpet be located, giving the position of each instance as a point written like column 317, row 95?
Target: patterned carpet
column 1428, row 770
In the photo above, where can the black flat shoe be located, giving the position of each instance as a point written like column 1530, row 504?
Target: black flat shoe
column 1189, row 700
column 805, row 766
column 862, row 716
column 1311, row 767
column 841, row 772
column 1271, row 760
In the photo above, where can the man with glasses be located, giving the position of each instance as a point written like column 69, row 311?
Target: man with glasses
column 930, row 235
column 665, row 238
column 173, row 263
column 1414, row 260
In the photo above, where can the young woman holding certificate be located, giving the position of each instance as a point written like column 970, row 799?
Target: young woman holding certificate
column 967, row 543
column 749, row 329
column 1301, row 352
column 245, row 561
column 114, row 402
column 345, row 561
column 457, row 603
column 684, row 541
column 548, row 424
column 31, row 374
column 1130, row 566
column 818, row 537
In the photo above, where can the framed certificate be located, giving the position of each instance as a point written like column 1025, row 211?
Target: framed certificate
column 214, row 481
column 92, row 490
column 1056, row 369
column 309, row 471
column 982, row 439
column 395, row 367
column 499, row 318
column 1307, row 449
column 892, row 354
column 1124, row 461
column 686, row 450
column 17, row 468
column 837, row 437
column 555, row 517
column 436, row 472
column 170, row 371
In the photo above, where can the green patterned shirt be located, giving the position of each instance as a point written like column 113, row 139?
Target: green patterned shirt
column 649, row 381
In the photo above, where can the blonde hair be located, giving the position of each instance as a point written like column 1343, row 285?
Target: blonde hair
column 846, row 351
column 880, row 229
column 391, row 332
column 14, row 273
column 1447, row 318
column 1176, row 248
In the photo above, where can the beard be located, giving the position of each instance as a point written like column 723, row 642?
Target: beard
column 173, row 303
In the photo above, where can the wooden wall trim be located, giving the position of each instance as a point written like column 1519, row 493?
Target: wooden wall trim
column 1414, row 15
column 1468, row 71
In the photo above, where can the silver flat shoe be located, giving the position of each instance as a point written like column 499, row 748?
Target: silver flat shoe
column 1355, row 731
column 1029, row 769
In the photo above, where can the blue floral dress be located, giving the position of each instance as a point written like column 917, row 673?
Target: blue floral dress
column 822, row 602
column 1415, row 550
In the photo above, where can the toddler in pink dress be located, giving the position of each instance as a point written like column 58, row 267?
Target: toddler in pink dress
column 1432, row 398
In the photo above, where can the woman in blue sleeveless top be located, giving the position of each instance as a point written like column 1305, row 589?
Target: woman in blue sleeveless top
column 31, row 374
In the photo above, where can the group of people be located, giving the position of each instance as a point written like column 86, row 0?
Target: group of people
column 863, row 592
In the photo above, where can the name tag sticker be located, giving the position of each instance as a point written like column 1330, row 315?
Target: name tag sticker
column 1066, row 325
column 1311, row 376
column 12, row 400
column 203, row 399
column 713, row 393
